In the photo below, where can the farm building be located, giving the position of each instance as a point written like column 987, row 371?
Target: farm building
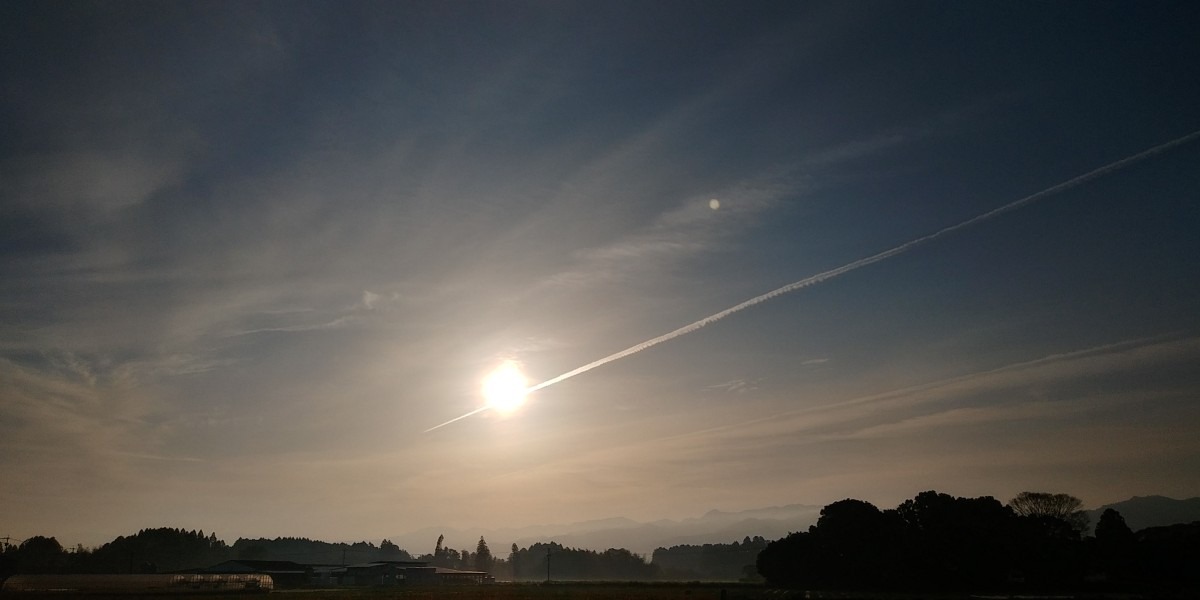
column 396, row 572
column 380, row 572
column 443, row 576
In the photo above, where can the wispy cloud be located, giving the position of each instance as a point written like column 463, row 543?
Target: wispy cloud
column 82, row 182
column 690, row 229
column 734, row 386
column 296, row 328
column 944, row 416
column 59, row 434
column 1051, row 369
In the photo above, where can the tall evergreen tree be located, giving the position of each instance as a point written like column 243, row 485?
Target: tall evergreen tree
column 439, row 553
column 483, row 556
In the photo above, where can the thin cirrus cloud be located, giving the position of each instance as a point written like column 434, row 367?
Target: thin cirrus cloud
column 97, row 181
column 1060, row 368
column 1041, row 392
column 948, row 395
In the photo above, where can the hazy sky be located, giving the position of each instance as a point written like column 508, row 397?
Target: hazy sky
column 250, row 251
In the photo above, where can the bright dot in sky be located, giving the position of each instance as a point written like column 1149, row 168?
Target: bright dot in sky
column 504, row 389
column 714, row 204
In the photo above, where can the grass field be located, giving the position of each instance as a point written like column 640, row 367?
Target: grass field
column 502, row 591
column 554, row 591
column 578, row 591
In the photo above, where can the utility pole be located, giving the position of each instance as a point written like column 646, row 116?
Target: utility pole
column 547, row 564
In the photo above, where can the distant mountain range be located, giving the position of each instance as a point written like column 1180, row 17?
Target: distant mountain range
column 641, row 537
column 717, row 526
column 1141, row 512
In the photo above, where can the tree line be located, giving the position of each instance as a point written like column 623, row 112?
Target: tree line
column 165, row 549
column 465, row 560
column 931, row 542
column 168, row 549
column 147, row 551
column 937, row 541
column 710, row 562
column 553, row 561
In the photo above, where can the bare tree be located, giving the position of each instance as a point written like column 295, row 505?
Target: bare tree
column 1060, row 506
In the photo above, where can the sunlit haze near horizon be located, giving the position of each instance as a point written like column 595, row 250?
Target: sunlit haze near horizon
column 258, row 258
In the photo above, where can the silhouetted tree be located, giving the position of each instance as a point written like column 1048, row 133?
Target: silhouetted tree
column 388, row 549
column 711, row 562
column 304, row 550
column 483, row 556
column 956, row 542
column 1112, row 529
column 1113, row 546
column 1059, row 506
column 614, row 564
column 439, row 553
column 1167, row 557
column 934, row 541
column 855, row 536
column 40, row 554
column 791, row 561
column 163, row 549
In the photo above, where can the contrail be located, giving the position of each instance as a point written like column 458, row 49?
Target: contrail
column 862, row 262
column 870, row 260
column 474, row 412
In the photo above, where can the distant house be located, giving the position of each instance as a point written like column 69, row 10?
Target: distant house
column 285, row 573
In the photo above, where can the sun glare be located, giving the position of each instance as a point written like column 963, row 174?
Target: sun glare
column 504, row 389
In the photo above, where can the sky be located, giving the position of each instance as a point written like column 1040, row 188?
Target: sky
column 250, row 252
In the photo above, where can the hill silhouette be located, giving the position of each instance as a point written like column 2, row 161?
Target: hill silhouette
column 1141, row 512
column 714, row 526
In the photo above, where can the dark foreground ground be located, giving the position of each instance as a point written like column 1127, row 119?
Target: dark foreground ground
column 597, row 591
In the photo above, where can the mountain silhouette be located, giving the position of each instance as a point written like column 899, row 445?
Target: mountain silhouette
column 716, row 526
column 1141, row 512
column 618, row 532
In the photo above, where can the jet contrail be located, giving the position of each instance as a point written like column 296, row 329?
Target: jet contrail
column 862, row 262
column 459, row 418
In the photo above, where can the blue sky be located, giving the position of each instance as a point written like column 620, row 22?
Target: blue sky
column 251, row 251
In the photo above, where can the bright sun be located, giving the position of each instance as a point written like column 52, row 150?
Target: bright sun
column 504, row 389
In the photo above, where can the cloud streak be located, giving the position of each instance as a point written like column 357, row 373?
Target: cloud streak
column 1053, row 369
column 949, row 413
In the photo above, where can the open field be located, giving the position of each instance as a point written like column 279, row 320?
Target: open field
column 559, row 591
column 592, row 591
